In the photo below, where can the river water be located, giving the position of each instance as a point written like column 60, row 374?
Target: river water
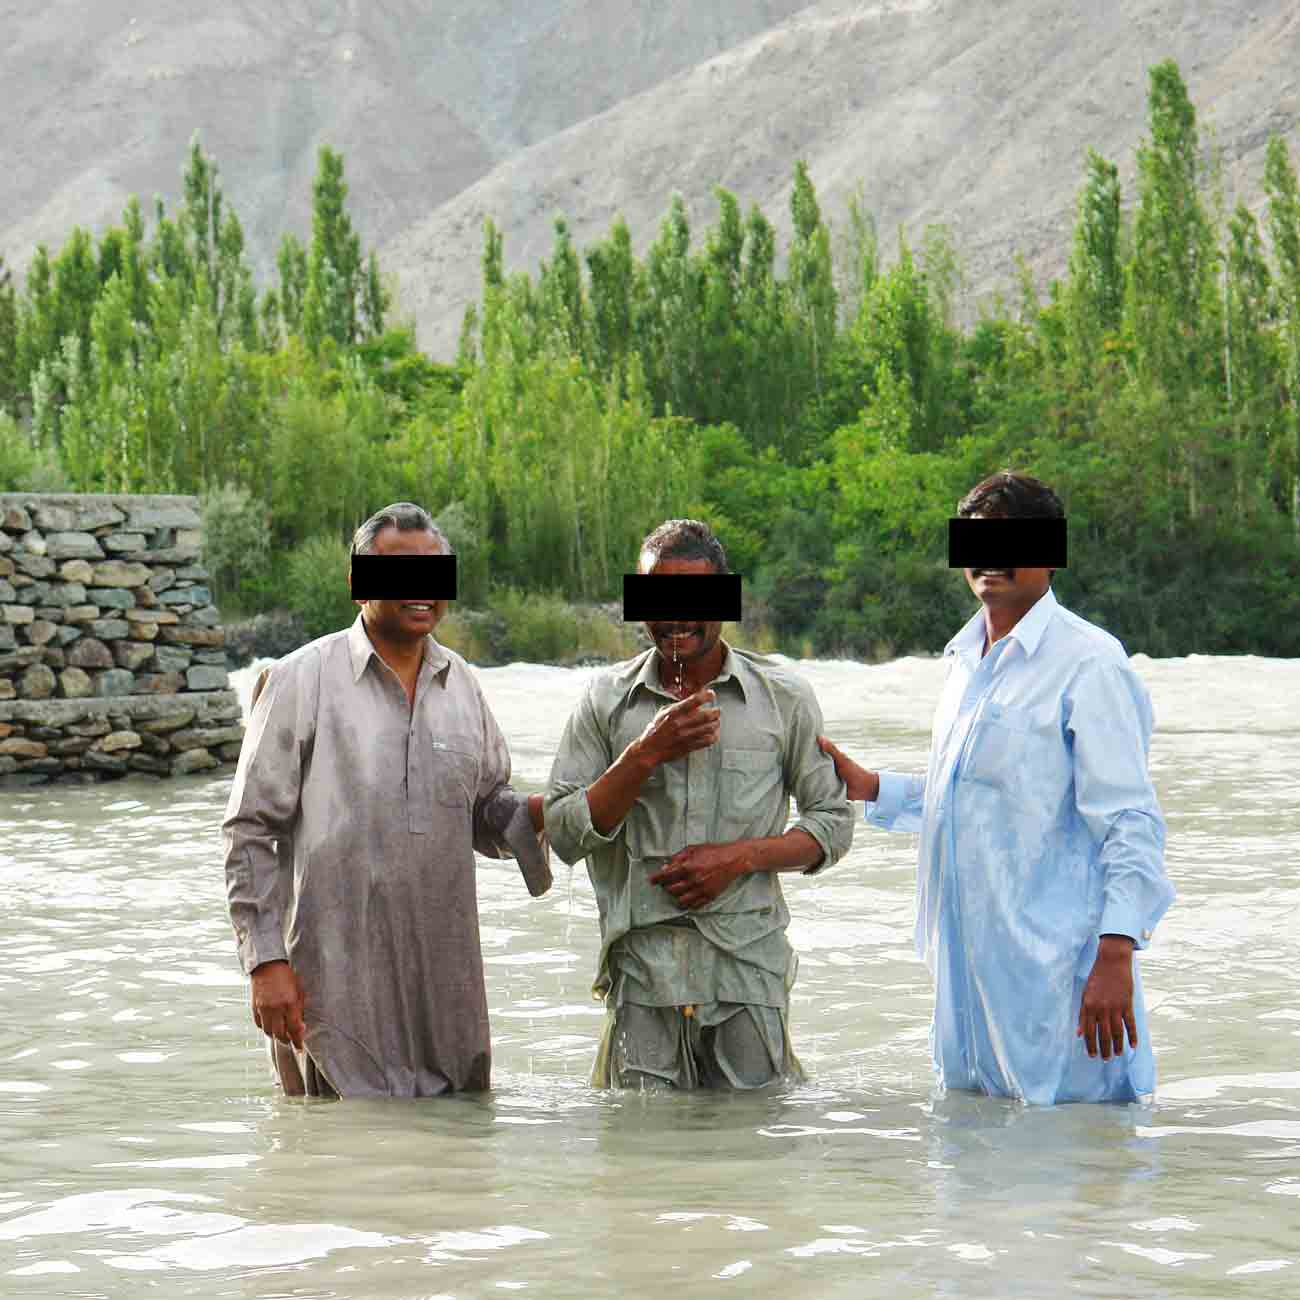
column 143, row 1151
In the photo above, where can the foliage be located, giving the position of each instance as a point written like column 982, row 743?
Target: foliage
column 315, row 585
column 823, row 404
column 236, row 541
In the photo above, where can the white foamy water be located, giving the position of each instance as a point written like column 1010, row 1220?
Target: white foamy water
column 145, row 1153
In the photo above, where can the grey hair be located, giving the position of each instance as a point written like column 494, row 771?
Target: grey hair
column 683, row 539
column 406, row 517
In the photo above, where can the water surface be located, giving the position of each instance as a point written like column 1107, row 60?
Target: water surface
column 144, row 1152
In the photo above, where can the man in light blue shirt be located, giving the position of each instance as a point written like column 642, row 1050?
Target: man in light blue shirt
column 1041, row 842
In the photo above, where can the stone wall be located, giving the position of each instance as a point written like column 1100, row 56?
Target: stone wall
column 112, row 654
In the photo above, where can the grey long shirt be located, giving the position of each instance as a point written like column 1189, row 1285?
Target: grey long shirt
column 349, row 848
column 738, row 788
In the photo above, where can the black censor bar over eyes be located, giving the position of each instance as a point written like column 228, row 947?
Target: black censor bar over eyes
column 1006, row 543
column 403, row 577
column 667, row 597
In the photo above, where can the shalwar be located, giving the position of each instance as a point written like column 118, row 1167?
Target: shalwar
column 731, row 951
column 350, row 834
column 1039, row 832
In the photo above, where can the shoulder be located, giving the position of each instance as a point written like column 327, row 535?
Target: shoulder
column 778, row 676
column 611, row 684
column 305, row 662
column 1086, row 642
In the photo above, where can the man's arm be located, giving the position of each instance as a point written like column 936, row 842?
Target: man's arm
column 895, row 801
column 1109, row 720
column 822, row 835
column 591, row 792
column 507, row 823
column 259, row 814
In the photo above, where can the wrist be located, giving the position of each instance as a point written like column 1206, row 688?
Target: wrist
column 1118, row 946
column 643, row 759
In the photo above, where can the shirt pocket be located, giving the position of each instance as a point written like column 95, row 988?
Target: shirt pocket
column 749, row 788
column 455, row 778
column 1011, row 750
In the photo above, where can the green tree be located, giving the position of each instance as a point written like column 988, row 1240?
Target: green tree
column 1284, row 229
column 11, row 385
column 334, row 277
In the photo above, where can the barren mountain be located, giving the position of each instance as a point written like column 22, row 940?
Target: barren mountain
column 975, row 113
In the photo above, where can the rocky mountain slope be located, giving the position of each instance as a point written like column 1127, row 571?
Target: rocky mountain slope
column 975, row 113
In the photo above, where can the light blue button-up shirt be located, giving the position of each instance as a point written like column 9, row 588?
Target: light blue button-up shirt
column 1040, row 832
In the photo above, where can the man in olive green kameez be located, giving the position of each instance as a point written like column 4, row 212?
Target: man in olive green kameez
column 673, row 779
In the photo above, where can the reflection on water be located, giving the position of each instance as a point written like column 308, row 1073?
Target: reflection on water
column 144, row 1151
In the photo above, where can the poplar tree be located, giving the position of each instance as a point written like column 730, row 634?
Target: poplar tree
column 10, row 385
column 334, row 259
column 1173, row 300
column 1284, row 230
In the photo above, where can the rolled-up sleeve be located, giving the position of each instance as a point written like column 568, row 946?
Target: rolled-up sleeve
column 900, row 805
column 503, row 827
column 1110, row 725
column 260, row 814
column 582, row 758
column 819, row 794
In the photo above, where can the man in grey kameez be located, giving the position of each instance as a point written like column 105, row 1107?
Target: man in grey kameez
column 673, row 780
column 371, row 771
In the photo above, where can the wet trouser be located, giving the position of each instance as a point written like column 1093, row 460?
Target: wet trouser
column 712, row 1045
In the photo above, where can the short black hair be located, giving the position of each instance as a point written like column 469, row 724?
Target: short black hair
column 1017, row 496
column 683, row 539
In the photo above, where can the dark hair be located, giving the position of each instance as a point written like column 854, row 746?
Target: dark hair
column 1017, row 496
column 683, row 539
column 405, row 517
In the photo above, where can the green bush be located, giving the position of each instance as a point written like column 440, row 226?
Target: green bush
column 25, row 467
column 316, row 585
column 236, row 547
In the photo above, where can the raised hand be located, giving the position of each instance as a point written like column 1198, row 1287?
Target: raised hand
column 678, row 729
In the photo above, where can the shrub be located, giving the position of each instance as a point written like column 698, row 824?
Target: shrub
column 236, row 546
column 316, row 585
column 25, row 467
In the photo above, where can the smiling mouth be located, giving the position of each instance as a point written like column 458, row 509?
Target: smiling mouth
column 419, row 607
column 994, row 573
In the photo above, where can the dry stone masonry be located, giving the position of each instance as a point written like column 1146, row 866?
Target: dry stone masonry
column 112, row 654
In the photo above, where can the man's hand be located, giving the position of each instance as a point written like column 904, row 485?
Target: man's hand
column 535, row 814
column 278, row 1002
column 1107, row 1007
column 678, row 729
column 861, row 784
column 697, row 875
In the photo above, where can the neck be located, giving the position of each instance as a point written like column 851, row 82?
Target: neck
column 403, row 657
column 695, row 672
column 999, row 620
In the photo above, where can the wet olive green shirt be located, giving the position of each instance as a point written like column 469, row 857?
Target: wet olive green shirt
column 733, row 949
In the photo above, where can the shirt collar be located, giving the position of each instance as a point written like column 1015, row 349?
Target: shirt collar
column 734, row 669
column 1029, row 631
column 361, row 649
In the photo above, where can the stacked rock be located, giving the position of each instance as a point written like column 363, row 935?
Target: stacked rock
column 112, row 655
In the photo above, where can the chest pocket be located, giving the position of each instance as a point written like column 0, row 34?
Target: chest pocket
column 1011, row 748
column 749, row 787
column 455, row 778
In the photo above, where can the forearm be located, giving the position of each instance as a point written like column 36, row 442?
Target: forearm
column 796, row 850
column 611, row 796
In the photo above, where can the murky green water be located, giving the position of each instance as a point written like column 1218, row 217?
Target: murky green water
column 143, row 1151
